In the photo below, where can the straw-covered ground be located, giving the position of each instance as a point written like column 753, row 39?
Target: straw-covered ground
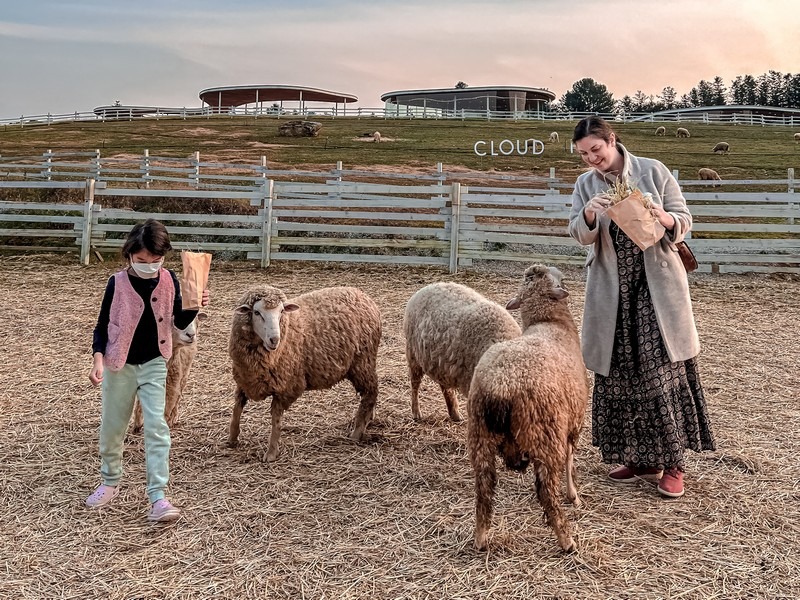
column 392, row 517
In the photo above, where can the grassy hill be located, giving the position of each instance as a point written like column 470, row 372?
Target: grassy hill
column 756, row 152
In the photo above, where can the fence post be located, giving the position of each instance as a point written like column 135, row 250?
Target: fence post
column 146, row 168
column 48, row 171
column 455, row 218
column 86, row 240
column 196, row 158
column 263, row 169
column 266, row 222
column 96, row 165
column 339, row 167
column 790, row 182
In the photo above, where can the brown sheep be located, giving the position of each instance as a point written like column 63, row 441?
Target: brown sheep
column 448, row 327
column 682, row 132
column 721, row 148
column 708, row 175
column 661, row 131
column 184, row 349
column 527, row 402
column 281, row 348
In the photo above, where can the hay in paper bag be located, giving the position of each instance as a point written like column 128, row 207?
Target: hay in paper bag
column 194, row 280
column 632, row 215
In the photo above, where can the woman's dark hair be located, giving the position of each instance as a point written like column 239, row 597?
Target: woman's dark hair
column 593, row 126
column 151, row 236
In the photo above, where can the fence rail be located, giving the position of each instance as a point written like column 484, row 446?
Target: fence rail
column 430, row 223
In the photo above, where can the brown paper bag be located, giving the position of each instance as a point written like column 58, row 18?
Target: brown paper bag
column 194, row 280
column 636, row 221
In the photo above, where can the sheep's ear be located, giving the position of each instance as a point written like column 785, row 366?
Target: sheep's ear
column 558, row 293
column 201, row 316
column 243, row 309
column 513, row 304
column 289, row 307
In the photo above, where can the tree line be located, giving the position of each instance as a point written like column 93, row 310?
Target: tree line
column 769, row 89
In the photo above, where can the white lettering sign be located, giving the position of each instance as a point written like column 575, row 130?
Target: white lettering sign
column 507, row 147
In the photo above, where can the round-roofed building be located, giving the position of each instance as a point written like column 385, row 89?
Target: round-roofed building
column 230, row 97
column 468, row 101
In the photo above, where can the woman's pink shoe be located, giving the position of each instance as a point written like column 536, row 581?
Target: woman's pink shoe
column 626, row 474
column 671, row 484
column 102, row 496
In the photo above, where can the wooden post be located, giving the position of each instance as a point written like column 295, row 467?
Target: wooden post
column 339, row 167
column 197, row 169
column 790, row 185
column 455, row 218
column 266, row 222
column 263, row 169
column 48, row 171
column 146, row 168
column 86, row 239
column 96, row 165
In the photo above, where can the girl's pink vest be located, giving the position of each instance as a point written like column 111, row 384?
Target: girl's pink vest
column 127, row 308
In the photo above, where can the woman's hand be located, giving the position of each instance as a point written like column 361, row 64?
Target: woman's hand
column 594, row 207
column 96, row 374
column 666, row 219
column 205, row 299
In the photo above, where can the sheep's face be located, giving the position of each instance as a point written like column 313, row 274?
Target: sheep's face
column 540, row 282
column 187, row 336
column 515, row 458
column 265, row 319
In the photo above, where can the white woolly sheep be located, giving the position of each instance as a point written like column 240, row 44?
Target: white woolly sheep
column 682, row 132
column 661, row 130
column 448, row 326
column 184, row 349
column 527, row 402
column 553, row 139
column 708, row 175
column 721, row 148
column 376, row 137
column 281, row 348
column 797, row 137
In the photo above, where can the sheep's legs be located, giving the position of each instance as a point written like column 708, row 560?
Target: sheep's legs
column 483, row 464
column 572, row 490
column 415, row 374
column 275, row 434
column 548, row 485
column 238, row 407
column 367, row 388
column 138, row 420
column 451, row 399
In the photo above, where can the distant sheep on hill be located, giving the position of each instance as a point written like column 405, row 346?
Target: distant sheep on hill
column 708, row 175
column 661, row 131
column 721, row 148
column 553, row 139
column 376, row 137
column 797, row 137
column 682, row 132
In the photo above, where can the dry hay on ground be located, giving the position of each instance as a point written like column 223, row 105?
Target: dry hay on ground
column 392, row 517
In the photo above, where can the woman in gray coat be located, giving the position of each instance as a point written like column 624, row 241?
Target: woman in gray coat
column 638, row 333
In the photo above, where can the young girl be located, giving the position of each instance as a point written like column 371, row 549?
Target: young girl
column 132, row 342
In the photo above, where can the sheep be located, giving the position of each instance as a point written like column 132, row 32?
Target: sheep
column 184, row 349
column 527, row 402
column 682, row 132
column 281, row 348
column 553, row 139
column 662, row 131
column 797, row 137
column 376, row 137
column 447, row 327
column 721, row 148
column 708, row 175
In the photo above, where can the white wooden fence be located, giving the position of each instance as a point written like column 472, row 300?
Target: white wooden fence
column 448, row 225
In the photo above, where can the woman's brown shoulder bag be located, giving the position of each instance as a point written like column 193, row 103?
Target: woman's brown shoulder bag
column 687, row 256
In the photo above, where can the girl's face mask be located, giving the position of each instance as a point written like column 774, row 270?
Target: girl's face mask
column 147, row 270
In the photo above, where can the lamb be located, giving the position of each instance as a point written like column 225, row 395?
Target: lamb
column 721, row 148
column 708, row 175
column 184, row 349
column 527, row 402
column 281, row 348
column 797, row 137
column 553, row 139
column 448, row 326
column 682, row 132
column 661, row 131
column 376, row 137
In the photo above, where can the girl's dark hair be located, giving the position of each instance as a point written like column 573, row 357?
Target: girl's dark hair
column 151, row 236
column 593, row 126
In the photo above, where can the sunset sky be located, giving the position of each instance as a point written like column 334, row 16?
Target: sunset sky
column 72, row 55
